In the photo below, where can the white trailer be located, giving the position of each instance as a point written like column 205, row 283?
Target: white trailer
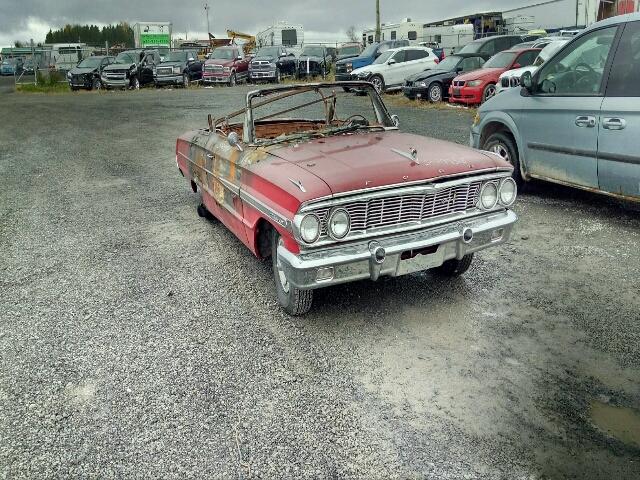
column 152, row 34
column 65, row 56
column 450, row 37
column 550, row 15
column 405, row 30
column 283, row 33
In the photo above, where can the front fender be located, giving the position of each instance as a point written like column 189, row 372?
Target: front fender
column 489, row 119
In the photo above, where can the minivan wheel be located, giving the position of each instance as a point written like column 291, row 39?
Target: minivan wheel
column 294, row 301
column 502, row 144
column 435, row 92
column 378, row 83
column 488, row 92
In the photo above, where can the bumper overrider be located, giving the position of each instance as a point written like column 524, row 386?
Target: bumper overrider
column 396, row 255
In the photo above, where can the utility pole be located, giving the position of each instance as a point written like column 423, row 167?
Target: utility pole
column 206, row 9
column 377, row 20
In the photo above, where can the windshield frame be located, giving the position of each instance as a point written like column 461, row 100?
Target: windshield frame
column 384, row 57
column 92, row 60
column 275, row 52
column 274, row 94
column 443, row 63
column 121, row 55
column 318, row 49
column 349, row 50
column 230, row 50
column 183, row 53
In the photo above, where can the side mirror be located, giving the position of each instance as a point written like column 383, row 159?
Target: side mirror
column 396, row 120
column 517, row 65
column 526, row 80
column 392, row 62
column 234, row 140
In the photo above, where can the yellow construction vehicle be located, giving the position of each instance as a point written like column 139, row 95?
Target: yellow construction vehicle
column 250, row 44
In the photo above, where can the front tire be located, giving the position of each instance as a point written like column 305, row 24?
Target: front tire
column 378, row 83
column 232, row 80
column 294, row 301
column 501, row 144
column 185, row 80
column 455, row 267
column 96, row 84
column 488, row 92
column 135, row 83
column 435, row 93
column 278, row 76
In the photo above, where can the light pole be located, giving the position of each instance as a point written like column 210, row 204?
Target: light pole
column 206, row 9
column 377, row 20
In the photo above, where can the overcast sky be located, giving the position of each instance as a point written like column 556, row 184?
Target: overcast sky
column 323, row 20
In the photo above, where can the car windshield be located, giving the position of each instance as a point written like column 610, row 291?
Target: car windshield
column 313, row 51
column 176, row 57
column 370, row 50
column 500, row 60
column 124, row 57
column 473, row 47
column 223, row 54
column 300, row 113
column 449, row 63
column 91, row 62
column 268, row 52
column 352, row 50
column 384, row 57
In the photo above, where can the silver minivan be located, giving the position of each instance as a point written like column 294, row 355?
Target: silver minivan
column 576, row 121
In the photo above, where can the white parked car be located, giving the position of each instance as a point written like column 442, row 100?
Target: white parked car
column 393, row 66
column 511, row 78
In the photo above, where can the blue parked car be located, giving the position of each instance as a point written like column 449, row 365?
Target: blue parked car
column 576, row 120
column 7, row 68
column 367, row 57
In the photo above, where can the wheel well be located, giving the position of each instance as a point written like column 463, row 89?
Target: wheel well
column 263, row 238
column 497, row 127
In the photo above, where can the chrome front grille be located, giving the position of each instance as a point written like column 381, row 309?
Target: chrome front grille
column 165, row 70
column 261, row 65
column 389, row 211
column 213, row 68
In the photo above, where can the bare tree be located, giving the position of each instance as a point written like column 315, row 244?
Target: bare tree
column 352, row 35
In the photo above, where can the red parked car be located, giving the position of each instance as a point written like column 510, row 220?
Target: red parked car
column 333, row 192
column 226, row 65
column 477, row 87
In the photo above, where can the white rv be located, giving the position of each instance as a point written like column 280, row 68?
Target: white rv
column 405, row 30
column 285, row 34
column 450, row 37
column 65, row 56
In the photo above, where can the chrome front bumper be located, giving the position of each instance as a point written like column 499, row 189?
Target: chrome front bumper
column 383, row 256
column 169, row 79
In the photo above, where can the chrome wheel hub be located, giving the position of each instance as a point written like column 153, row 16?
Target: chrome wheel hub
column 284, row 283
column 502, row 151
column 436, row 94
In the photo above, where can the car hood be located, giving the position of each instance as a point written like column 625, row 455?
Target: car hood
column 426, row 74
column 517, row 72
column 264, row 58
column 358, row 62
column 219, row 61
column 481, row 74
column 376, row 159
column 118, row 66
column 170, row 64
column 82, row 70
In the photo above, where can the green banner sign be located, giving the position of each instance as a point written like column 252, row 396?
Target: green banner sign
column 153, row 39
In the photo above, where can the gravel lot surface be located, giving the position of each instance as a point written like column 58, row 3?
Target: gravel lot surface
column 138, row 340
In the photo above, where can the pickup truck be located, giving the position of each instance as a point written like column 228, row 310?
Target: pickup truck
column 226, row 65
column 367, row 57
column 130, row 69
column 180, row 67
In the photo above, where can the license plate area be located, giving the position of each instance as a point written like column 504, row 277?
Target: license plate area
column 456, row 92
column 418, row 260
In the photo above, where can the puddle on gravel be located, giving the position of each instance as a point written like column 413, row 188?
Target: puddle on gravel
column 619, row 422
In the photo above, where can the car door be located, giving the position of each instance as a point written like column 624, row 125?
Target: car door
column 418, row 60
column 560, row 120
column 618, row 152
column 393, row 74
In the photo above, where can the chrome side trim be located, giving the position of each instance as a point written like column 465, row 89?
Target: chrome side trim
column 266, row 210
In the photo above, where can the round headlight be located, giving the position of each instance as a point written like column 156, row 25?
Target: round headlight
column 508, row 192
column 339, row 223
column 310, row 228
column 489, row 196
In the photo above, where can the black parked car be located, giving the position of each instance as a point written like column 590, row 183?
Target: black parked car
column 180, row 67
column 271, row 63
column 433, row 85
column 489, row 46
column 87, row 73
column 315, row 60
column 130, row 69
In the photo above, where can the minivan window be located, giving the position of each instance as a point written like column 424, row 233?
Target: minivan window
column 624, row 80
column 578, row 69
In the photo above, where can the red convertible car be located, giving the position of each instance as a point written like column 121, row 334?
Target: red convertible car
column 326, row 185
column 478, row 86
